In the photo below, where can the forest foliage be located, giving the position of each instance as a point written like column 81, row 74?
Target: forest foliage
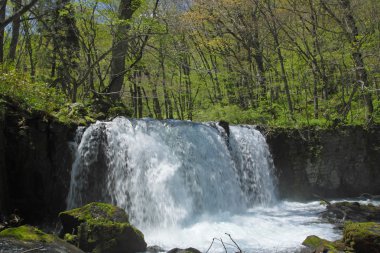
column 276, row 62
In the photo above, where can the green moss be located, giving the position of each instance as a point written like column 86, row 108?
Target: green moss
column 314, row 242
column 362, row 236
column 361, row 230
column 27, row 233
column 73, row 239
column 97, row 213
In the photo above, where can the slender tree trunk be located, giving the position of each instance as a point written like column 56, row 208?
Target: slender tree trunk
column 29, row 48
column 3, row 8
column 258, row 55
column 15, row 31
column 168, row 104
column 360, row 70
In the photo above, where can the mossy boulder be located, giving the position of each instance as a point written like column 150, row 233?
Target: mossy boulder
column 99, row 227
column 362, row 236
column 25, row 238
column 319, row 245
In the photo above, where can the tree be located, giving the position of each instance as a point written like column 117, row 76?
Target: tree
column 120, row 47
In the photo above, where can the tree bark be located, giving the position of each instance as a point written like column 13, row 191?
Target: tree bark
column 15, row 31
column 120, row 49
column 3, row 8
column 360, row 70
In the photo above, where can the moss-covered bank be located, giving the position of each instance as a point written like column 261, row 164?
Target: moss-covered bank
column 28, row 239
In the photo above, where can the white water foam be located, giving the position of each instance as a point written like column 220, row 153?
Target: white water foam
column 185, row 183
column 280, row 228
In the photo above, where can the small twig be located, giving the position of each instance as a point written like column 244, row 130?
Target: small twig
column 224, row 246
column 30, row 250
column 237, row 246
column 213, row 239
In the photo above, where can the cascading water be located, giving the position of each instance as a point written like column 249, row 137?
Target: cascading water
column 182, row 183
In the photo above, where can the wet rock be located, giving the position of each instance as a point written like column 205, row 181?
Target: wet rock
column 99, row 227
column 319, row 245
column 333, row 163
column 351, row 211
column 155, row 249
column 35, row 164
column 362, row 237
column 226, row 126
column 188, row 250
column 27, row 238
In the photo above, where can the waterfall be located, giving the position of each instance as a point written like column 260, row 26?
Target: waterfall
column 167, row 173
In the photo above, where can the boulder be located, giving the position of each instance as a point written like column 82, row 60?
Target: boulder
column 319, row 245
column 99, row 227
column 363, row 237
column 27, row 239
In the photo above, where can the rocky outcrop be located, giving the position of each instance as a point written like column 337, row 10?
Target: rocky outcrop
column 362, row 237
column 99, row 227
column 330, row 163
column 351, row 211
column 35, row 164
column 31, row 239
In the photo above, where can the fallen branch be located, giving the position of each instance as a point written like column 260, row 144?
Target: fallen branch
column 237, row 246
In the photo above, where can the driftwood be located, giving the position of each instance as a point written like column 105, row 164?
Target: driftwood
column 235, row 245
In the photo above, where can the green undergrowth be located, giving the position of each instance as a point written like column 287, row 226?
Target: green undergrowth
column 21, row 92
column 29, row 95
column 26, row 233
column 276, row 116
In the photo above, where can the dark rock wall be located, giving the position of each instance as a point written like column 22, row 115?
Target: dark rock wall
column 329, row 163
column 35, row 165
column 3, row 174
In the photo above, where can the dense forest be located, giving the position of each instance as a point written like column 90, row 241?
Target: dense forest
column 274, row 62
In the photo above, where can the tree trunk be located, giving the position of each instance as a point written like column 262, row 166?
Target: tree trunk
column 3, row 8
column 360, row 70
column 120, row 49
column 15, row 31
column 29, row 48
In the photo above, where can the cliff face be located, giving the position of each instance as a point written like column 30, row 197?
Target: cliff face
column 35, row 164
column 329, row 163
column 3, row 175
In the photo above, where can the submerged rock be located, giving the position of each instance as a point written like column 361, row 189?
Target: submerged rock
column 101, row 228
column 362, row 237
column 188, row 250
column 319, row 245
column 155, row 249
column 27, row 238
